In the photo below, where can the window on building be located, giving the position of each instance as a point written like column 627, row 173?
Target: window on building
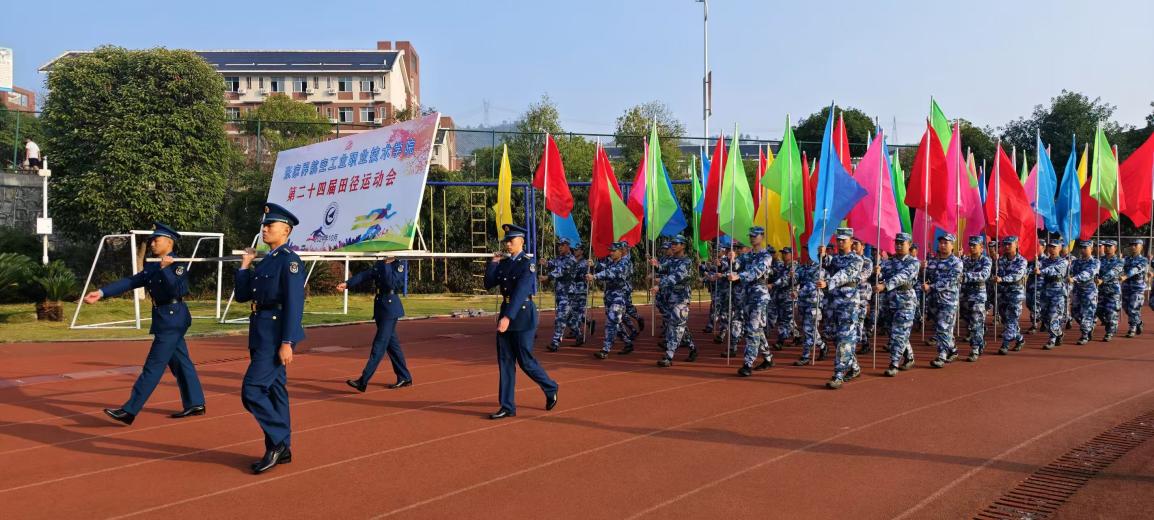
column 248, row 82
column 260, row 81
column 233, row 113
column 367, row 85
column 329, row 82
column 368, row 114
column 345, row 84
column 276, row 84
column 345, row 115
column 316, row 82
column 300, row 84
column 231, row 83
column 329, row 112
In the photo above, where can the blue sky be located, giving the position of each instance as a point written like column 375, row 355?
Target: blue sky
column 989, row 61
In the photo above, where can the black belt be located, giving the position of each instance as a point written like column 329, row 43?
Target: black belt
column 257, row 307
column 505, row 299
column 159, row 303
column 384, row 293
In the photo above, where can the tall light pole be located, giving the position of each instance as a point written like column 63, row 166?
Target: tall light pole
column 707, row 76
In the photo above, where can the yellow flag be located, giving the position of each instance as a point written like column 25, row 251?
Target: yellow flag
column 1082, row 166
column 769, row 213
column 503, row 209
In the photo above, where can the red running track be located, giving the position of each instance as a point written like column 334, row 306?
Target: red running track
column 628, row 440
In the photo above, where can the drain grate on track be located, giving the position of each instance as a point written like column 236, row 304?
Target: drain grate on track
column 1042, row 493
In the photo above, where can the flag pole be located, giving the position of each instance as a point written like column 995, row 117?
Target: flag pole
column 585, row 328
column 957, row 217
column 997, row 227
column 877, row 254
column 1037, row 205
column 1118, row 203
column 792, row 233
column 651, row 189
column 732, row 252
column 926, row 224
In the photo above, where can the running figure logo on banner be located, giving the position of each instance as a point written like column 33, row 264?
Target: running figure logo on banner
column 357, row 193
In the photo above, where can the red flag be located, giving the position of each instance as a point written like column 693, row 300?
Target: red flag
column 1135, row 173
column 1008, row 211
column 709, row 224
column 1092, row 213
column 930, row 182
column 636, row 202
column 558, row 199
column 841, row 143
column 600, row 207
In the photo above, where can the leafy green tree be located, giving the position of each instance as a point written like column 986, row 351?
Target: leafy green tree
column 634, row 126
column 136, row 136
column 1069, row 113
column 858, row 125
column 285, row 123
column 14, row 127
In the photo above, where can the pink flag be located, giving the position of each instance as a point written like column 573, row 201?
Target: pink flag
column 1031, row 188
column 877, row 227
column 972, row 209
column 955, row 168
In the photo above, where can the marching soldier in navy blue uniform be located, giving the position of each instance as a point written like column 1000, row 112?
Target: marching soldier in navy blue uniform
column 276, row 288
column 517, row 322
column 167, row 285
column 389, row 276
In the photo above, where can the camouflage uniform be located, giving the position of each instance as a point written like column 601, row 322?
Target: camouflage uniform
column 900, row 275
column 578, row 298
column 809, row 298
column 755, row 269
column 1011, row 293
column 943, row 275
column 975, row 275
column 705, row 270
column 1052, row 297
column 1084, row 271
column 844, row 277
column 674, row 277
column 1110, row 294
column 785, row 299
column 560, row 270
column 1134, row 268
column 614, row 276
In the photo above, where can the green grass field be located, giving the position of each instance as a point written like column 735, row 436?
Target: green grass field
column 18, row 321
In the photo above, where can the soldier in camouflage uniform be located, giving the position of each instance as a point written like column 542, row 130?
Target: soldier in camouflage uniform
column 633, row 322
column 1011, row 278
column 722, row 289
column 1084, row 276
column 897, row 277
column 976, row 269
column 784, row 296
column 560, row 270
column 579, row 323
column 943, row 286
column 1134, row 269
column 661, row 294
column 614, row 275
column 1051, row 272
column 673, row 275
column 844, row 276
column 865, row 292
column 921, row 306
column 1110, row 289
column 705, row 271
column 808, row 292
column 736, row 306
column 1032, row 293
column 753, row 273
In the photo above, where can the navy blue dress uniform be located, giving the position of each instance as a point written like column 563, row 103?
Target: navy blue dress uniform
column 276, row 289
column 515, row 276
column 170, row 320
column 389, row 278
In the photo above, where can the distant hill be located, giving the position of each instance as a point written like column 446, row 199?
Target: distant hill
column 469, row 139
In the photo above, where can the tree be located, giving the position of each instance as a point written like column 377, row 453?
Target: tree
column 413, row 111
column 979, row 140
column 284, row 123
column 634, row 126
column 14, row 127
column 136, row 136
column 1069, row 114
column 858, row 126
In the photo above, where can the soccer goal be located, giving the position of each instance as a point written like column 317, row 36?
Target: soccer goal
column 112, row 246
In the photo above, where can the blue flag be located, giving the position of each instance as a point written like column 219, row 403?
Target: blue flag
column 699, row 204
column 982, row 183
column 676, row 223
column 564, row 227
column 1047, row 186
column 1069, row 205
column 837, row 192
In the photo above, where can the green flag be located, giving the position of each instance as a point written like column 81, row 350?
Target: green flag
column 941, row 124
column 1025, row 173
column 701, row 247
column 660, row 203
column 1104, row 183
column 899, row 180
column 785, row 177
column 736, row 211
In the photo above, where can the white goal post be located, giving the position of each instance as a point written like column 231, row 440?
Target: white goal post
column 138, row 294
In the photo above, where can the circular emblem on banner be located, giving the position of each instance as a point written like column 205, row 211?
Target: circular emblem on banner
column 331, row 213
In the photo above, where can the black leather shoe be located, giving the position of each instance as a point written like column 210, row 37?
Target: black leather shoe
column 692, row 356
column 765, row 365
column 553, row 347
column 120, row 415
column 401, row 383
column 600, row 354
column 625, row 351
column 664, row 362
column 357, row 384
column 501, row 414
column 745, row 371
column 189, row 412
column 801, row 362
column 550, row 401
column 277, row 455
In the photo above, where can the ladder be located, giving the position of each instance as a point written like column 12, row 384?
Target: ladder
column 479, row 234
